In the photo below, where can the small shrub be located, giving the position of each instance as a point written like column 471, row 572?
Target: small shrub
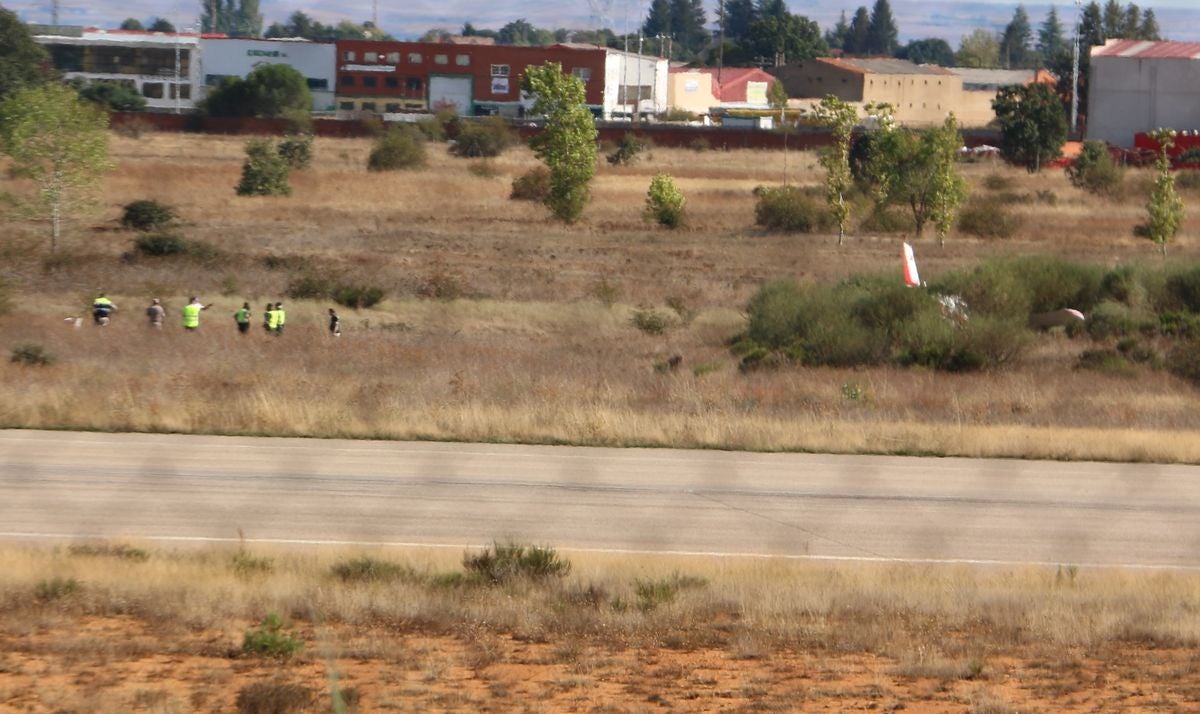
column 146, row 215
column 789, row 209
column 161, row 245
column 265, row 172
column 988, row 219
column 483, row 169
column 431, row 130
column 1183, row 289
column 365, row 569
column 1094, row 169
column 33, row 354
column 246, row 564
column 486, row 138
column 1184, row 360
column 533, row 185
column 700, row 144
column 652, row 594
column 310, row 286
column 6, row 300
column 888, row 220
column 1179, row 324
column 358, row 296
column 274, row 698
column 272, row 638
column 505, row 562
column 664, row 202
column 608, row 292
column 1110, row 319
column 297, row 150
column 56, row 589
column 1106, row 361
column 626, row 152
column 400, row 148
column 649, row 321
column 997, row 182
column 443, row 284
column 1188, row 179
column 678, row 114
column 119, row 551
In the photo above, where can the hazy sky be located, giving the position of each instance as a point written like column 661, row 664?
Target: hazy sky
column 949, row 19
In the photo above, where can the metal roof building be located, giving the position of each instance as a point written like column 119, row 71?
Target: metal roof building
column 1138, row 86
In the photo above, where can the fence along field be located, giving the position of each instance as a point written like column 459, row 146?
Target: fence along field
column 502, row 324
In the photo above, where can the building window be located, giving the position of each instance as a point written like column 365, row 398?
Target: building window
column 412, row 84
column 368, row 106
column 499, row 70
column 347, row 80
column 583, row 73
column 320, row 84
column 414, row 58
column 369, row 81
column 184, row 91
column 371, row 57
column 393, row 57
column 462, row 60
column 391, row 108
column 152, row 90
column 213, row 80
column 347, row 106
column 441, row 59
column 348, row 56
column 392, row 82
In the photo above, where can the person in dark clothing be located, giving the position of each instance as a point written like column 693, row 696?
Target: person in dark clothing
column 335, row 323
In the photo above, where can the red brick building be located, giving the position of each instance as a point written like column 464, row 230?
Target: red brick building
column 382, row 77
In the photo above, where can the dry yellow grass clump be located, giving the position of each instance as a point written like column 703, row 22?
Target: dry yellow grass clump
column 501, row 324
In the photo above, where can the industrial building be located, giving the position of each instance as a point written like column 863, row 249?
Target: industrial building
column 980, row 86
column 703, row 89
column 222, row 57
column 388, row 77
column 160, row 66
column 1137, row 86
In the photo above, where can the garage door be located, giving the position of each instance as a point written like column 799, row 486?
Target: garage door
column 447, row 91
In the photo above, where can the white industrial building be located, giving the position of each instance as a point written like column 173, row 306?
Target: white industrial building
column 1139, row 86
column 222, row 57
column 161, row 66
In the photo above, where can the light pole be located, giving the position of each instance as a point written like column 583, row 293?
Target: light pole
column 1075, row 73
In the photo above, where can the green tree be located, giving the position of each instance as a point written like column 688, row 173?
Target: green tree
column 161, row 25
column 664, row 202
column 836, row 36
column 790, row 38
column 1091, row 26
column 658, row 18
column 1165, row 208
column 1033, row 125
column 688, row 23
column 840, row 118
column 567, row 142
column 949, row 189
column 978, row 49
column 1014, row 43
column 22, row 61
column 131, row 24
column 933, row 50
column 882, row 35
column 265, row 171
column 1149, row 29
column 857, row 37
column 112, row 96
column 1131, row 25
column 1050, row 39
column 270, row 90
column 249, row 20
column 522, row 33
column 739, row 14
column 58, row 141
column 1113, row 19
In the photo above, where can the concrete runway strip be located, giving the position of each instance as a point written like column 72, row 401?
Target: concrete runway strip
column 67, row 485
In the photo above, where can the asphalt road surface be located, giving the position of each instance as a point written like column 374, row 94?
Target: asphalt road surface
column 66, row 485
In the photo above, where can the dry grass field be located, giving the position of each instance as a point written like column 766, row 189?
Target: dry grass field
column 535, row 343
column 112, row 628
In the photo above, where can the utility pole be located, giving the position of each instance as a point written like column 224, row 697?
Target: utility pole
column 638, row 111
column 178, row 105
column 54, row 13
column 375, row 14
column 721, row 43
column 1075, row 74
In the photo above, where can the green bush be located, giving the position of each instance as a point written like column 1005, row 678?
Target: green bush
column 533, row 185
column 1189, row 179
column 506, row 562
column 1106, row 361
column 888, row 220
column 358, row 296
column 246, row 564
column 33, row 354
column 1183, row 289
column 365, row 569
column 652, row 594
column 297, row 150
column 431, row 130
column 146, row 215
column 777, row 313
column 789, row 209
column 310, row 286
column 1184, row 360
column 399, row 148
column 272, row 638
column 1094, row 169
column 664, row 202
column 1110, row 319
column 119, row 551
column 485, row 138
column 988, row 218
column 1055, row 283
column 626, row 152
column 275, row 698
column 651, row 322
column 56, row 589
column 997, row 182
column 6, row 300
column 265, row 172
column 161, row 245
column 1179, row 324
column 483, row 169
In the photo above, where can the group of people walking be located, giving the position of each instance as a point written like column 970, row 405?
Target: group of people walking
column 274, row 316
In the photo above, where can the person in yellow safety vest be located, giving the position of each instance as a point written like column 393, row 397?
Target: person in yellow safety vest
column 280, row 318
column 242, row 318
column 268, row 311
column 272, row 319
column 102, row 308
column 191, row 313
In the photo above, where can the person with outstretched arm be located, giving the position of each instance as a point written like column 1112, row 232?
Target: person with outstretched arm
column 191, row 314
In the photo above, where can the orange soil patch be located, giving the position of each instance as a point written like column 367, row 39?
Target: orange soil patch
column 77, row 664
